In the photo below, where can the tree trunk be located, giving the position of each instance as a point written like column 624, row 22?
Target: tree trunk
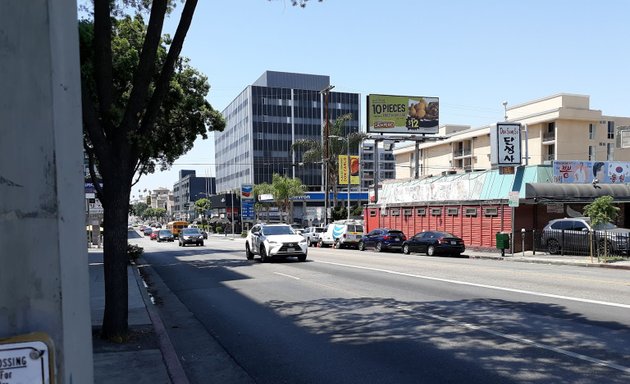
column 115, row 259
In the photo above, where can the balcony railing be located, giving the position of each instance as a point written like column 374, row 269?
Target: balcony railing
column 549, row 136
column 462, row 152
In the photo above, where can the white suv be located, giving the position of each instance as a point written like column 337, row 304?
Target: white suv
column 312, row 234
column 275, row 240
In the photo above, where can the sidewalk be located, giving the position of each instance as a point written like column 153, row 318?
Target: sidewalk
column 141, row 360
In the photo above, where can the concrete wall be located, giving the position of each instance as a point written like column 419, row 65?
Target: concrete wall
column 44, row 282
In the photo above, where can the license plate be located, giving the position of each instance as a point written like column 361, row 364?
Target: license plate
column 453, row 242
column 396, row 239
column 290, row 249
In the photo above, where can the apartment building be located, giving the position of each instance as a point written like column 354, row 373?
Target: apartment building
column 558, row 127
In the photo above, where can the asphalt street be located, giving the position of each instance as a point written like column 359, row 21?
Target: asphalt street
column 346, row 316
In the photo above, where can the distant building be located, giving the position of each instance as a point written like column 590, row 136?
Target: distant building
column 386, row 163
column 188, row 189
column 163, row 198
column 264, row 121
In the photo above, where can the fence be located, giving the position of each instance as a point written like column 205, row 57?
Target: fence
column 595, row 243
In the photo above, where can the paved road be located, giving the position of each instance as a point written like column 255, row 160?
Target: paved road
column 364, row 317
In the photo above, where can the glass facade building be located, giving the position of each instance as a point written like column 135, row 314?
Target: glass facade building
column 264, row 121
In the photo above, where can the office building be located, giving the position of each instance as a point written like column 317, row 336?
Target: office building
column 188, row 189
column 264, row 121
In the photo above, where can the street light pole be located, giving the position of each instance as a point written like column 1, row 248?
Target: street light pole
column 325, row 92
column 348, row 163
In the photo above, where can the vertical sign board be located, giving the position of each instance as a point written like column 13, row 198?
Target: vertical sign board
column 505, row 143
column 247, row 202
column 343, row 170
column 26, row 359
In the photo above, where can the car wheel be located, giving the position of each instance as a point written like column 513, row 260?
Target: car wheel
column 604, row 248
column 406, row 249
column 302, row 258
column 248, row 252
column 263, row 255
column 179, row 243
column 430, row 250
column 379, row 247
column 320, row 244
column 337, row 244
column 553, row 247
column 201, row 244
column 361, row 246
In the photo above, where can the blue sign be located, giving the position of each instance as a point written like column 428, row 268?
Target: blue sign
column 340, row 196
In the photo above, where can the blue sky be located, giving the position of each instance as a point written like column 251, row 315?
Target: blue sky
column 473, row 55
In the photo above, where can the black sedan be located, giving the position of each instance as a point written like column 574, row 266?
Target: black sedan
column 434, row 243
column 165, row 235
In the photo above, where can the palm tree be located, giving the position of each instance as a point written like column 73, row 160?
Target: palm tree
column 282, row 189
column 313, row 151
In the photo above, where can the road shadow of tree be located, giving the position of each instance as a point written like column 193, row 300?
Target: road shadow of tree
column 533, row 342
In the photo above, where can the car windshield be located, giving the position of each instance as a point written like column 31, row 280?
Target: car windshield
column 191, row 231
column 165, row 232
column 604, row 226
column 320, row 230
column 278, row 230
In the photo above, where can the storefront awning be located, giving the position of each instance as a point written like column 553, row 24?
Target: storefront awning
column 576, row 192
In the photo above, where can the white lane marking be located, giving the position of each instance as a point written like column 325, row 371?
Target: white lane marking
column 285, row 275
column 519, row 339
column 598, row 302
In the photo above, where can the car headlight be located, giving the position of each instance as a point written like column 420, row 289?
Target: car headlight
column 303, row 241
column 272, row 242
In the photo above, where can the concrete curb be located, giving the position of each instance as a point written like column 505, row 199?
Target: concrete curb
column 552, row 262
column 171, row 360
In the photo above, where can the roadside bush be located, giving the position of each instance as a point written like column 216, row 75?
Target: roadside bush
column 244, row 234
column 134, row 251
column 219, row 230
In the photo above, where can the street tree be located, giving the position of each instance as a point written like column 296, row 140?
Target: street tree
column 139, row 208
column 313, row 150
column 602, row 210
column 259, row 190
column 202, row 206
column 283, row 190
column 143, row 107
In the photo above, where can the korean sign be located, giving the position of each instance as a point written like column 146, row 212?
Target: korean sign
column 506, row 144
column 403, row 114
column 343, row 170
column 581, row 172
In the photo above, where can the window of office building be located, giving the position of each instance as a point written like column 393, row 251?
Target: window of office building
column 591, row 152
column 611, row 129
column 591, row 131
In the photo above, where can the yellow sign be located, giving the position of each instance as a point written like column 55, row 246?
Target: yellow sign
column 354, row 170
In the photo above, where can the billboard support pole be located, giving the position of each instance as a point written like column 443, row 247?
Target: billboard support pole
column 417, row 165
column 348, row 174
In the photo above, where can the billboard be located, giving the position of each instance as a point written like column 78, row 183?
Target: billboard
column 403, row 114
column 354, row 170
column 583, row 172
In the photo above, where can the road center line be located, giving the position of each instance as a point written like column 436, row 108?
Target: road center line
column 285, row 275
column 606, row 303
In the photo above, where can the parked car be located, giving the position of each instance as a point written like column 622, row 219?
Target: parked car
column 341, row 234
column 165, row 235
column 434, row 243
column 190, row 236
column 147, row 231
column 153, row 235
column 312, row 234
column 383, row 239
column 204, row 233
column 571, row 235
column 275, row 240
